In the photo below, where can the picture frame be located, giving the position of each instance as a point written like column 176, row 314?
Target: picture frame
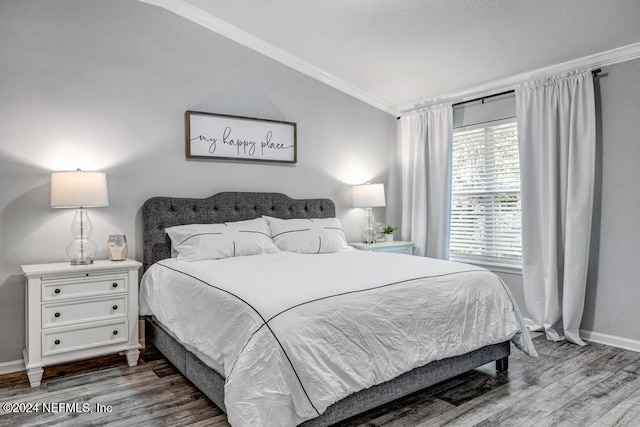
column 220, row 136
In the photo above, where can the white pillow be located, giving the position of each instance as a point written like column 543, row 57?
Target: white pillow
column 308, row 236
column 214, row 241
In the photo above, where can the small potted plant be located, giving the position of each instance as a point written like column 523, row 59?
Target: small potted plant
column 388, row 230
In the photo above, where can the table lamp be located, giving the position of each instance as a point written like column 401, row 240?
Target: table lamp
column 80, row 190
column 368, row 196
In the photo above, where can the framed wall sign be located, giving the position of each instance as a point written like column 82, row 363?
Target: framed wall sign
column 219, row 136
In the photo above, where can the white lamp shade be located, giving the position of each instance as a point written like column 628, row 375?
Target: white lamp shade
column 79, row 189
column 368, row 196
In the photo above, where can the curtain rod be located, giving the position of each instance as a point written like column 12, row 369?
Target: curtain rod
column 595, row 74
column 482, row 98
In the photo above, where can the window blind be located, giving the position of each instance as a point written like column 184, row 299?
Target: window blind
column 485, row 202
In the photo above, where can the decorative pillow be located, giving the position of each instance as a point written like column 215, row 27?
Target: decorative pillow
column 214, row 241
column 308, row 236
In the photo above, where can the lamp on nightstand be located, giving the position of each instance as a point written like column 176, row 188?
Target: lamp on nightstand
column 80, row 190
column 368, row 196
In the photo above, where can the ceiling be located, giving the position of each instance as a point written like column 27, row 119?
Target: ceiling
column 405, row 52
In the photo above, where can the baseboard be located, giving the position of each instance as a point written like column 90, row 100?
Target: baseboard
column 600, row 338
column 612, row 340
column 11, row 367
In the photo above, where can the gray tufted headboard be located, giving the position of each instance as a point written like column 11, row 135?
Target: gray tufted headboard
column 159, row 213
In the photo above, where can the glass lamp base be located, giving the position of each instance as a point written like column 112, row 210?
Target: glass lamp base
column 81, row 261
column 81, row 252
column 369, row 232
column 368, row 235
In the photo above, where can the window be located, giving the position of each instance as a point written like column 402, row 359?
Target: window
column 485, row 199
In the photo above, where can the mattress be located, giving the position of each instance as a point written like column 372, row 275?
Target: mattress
column 294, row 333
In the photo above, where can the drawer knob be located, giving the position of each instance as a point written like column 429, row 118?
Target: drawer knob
column 115, row 285
column 57, row 342
column 57, row 291
column 115, row 307
column 115, row 332
column 57, row 314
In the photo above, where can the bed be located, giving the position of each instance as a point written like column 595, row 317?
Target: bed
column 196, row 361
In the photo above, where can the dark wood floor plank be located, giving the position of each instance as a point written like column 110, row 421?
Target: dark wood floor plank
column 13, row 380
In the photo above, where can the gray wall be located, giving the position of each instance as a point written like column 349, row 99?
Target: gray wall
column 103, row 85
column 613, row 288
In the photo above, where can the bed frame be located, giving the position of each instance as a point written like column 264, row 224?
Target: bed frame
column 159, row 213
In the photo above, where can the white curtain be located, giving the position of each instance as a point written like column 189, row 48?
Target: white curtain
column 556, row 133
column 425, row 155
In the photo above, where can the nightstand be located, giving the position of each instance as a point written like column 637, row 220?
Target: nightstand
column 80, row 311
column 399, row 247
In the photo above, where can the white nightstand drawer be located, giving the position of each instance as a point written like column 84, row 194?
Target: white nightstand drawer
column 82, row 286
column 83, row 310
column 82, row 337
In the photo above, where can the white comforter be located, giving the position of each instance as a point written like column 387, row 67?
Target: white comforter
column 293, row 333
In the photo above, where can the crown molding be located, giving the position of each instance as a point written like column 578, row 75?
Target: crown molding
column 234, row 33
column 609, row 57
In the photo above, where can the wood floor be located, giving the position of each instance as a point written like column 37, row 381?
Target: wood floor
column 567, row 386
